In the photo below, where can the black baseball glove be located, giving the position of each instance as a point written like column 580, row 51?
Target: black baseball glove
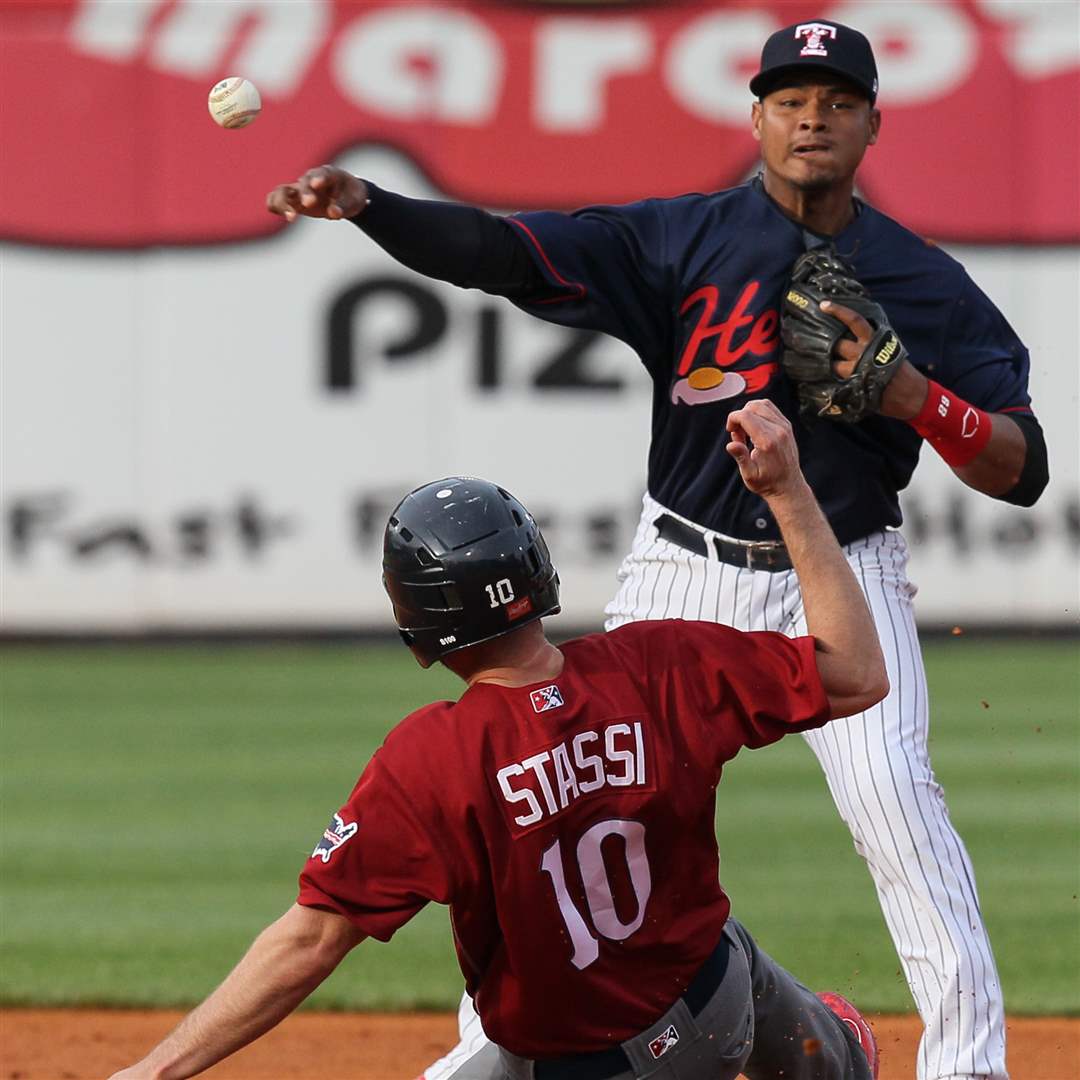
column 810, row 336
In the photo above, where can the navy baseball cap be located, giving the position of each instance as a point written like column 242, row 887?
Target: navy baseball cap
column 817, row 46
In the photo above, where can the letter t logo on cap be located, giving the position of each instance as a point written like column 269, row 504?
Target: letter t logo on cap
column 815, row 33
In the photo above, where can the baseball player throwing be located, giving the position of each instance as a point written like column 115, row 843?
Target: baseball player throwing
column 786, row 288
column 563, row 808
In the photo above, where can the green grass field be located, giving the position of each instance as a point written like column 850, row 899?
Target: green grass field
column 158, row 802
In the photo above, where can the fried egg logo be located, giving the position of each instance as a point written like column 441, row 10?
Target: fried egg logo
column 705, row 385
column 334, row 835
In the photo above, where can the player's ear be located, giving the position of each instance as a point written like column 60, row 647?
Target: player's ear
column 755, row 119
column 875, row 126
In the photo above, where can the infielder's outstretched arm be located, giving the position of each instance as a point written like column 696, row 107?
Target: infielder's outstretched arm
column 285, row 963
column 848, row 653
column 464, row 245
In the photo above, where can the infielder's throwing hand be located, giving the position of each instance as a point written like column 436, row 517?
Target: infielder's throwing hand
column 325, row 192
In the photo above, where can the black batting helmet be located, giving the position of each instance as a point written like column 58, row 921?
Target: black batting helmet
column 464, row 562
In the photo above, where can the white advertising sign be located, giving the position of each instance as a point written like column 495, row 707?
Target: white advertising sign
column 213, row 437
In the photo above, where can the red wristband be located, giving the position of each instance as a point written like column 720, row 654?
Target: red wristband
column 956, row 430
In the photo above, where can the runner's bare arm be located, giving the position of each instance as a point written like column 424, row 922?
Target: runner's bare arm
column 849, row 656
column 284, row 964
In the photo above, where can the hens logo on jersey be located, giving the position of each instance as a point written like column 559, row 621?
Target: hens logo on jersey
column 663, row 1042
column 334, row 835
column 705, row 376
column 815, row 34
column 546, row 699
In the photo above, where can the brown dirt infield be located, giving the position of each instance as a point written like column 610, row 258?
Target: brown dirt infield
column 58, row 1044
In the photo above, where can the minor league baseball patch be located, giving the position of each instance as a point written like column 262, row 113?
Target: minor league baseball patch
column 546, row 699
column 334, row 835
column 663, row 1042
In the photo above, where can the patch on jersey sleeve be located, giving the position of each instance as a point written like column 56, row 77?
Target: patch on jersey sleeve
column 334, row 835
column 548, row 698
column 664, row 1041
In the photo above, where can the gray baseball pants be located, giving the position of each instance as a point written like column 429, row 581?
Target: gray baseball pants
column 760, row 1023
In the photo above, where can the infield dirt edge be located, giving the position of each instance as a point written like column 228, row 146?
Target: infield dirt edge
column 88, row 1044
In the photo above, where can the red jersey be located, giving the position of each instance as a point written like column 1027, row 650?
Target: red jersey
column 569, row 825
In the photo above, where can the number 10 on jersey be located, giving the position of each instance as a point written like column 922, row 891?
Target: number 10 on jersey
column 598, row 893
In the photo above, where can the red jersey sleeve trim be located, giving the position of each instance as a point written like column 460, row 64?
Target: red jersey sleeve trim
column 807, row 646
column 578, row 290
column 1017, row 408
column 313, row 897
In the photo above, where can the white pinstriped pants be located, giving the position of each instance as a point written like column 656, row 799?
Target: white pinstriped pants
column 878, row 771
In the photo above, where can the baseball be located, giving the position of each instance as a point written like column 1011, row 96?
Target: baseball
column 234, row 102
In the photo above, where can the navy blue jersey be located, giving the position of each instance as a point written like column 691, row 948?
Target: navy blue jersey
column 694, row 286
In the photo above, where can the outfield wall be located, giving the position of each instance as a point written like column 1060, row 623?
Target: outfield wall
column 209, row 433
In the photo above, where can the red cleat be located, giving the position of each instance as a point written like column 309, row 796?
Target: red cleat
column 859, row 1027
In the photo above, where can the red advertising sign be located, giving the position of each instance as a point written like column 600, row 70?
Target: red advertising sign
column 107, row 140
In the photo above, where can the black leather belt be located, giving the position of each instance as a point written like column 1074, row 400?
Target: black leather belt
column 769, row 555
column 607, row 1063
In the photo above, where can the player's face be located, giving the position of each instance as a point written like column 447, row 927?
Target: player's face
column 813, row 134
